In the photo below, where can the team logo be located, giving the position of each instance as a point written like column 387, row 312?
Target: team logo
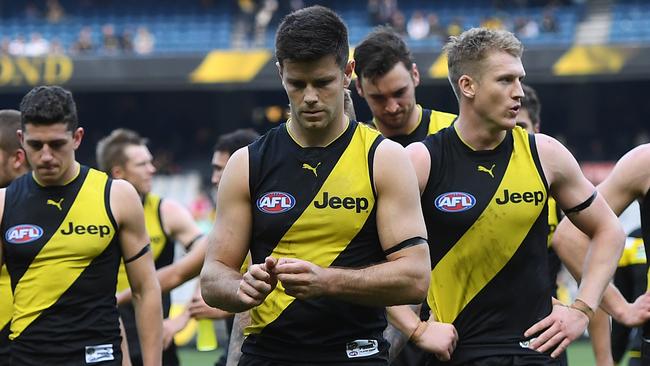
column 56, row 204
column 22, row 234
column 455, row 202
column 276, row 202
column 311, row 168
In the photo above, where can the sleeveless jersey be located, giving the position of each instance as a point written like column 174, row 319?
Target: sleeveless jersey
column 436, row 121
column 634, row 251
column 162, row 249
column 62, row 254
column 6, row 310
column 315, row 204
column 487, row 220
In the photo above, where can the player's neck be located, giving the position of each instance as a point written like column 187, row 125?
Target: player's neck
column 477, row 134
column 68, row 176
column 317, row 137
column 413, row 122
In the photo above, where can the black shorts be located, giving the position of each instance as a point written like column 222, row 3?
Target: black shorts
column 515, row 360
column 250, row 360
column 40, row 360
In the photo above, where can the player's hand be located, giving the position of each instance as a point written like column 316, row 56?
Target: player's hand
column 173, row 326
column 198, row 309
column 257, row 283
column 439, row 339
column 301, row 279
column 636, row 313
column 560, row 328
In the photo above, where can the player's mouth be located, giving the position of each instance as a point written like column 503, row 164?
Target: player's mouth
column 514, row 111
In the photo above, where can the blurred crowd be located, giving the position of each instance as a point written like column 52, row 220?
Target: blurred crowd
column 130, row 40
column 426, row 24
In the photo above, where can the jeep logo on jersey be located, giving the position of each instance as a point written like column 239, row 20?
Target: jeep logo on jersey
column 516, row 197
column 455, row 202
column 349, row 203
column 101, row 230
column 22, row 234
column 276, row 202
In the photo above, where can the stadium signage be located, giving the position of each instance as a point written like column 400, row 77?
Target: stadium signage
column 276, row 202
column 31, row 71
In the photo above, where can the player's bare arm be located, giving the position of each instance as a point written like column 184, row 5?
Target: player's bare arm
column 434, row 337
column 222, row 285
column 177, row 273
column 179, row 224
column 591, row 214
column 628, row 181
column 404, row 277
column 134, row 241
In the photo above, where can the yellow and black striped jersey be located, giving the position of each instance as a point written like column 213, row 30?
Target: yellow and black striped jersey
column 487, row 221
column 436, row 121
column 6, row 311
column 315, row 204
column 62, row 253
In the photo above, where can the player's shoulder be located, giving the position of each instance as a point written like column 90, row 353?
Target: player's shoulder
column 639, row 156
column 122, row 190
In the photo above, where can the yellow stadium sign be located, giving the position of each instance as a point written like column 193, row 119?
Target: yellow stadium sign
column 31, row 71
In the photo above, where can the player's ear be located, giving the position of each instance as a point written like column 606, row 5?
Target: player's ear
column 415, row 74
column 467, row 86
column 117, row 172
column 77, row 135
column 348, row 71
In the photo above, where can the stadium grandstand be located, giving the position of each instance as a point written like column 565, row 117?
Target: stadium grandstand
column 182, row 72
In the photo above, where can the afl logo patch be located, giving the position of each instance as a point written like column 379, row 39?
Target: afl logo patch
column 22, row 234
column 455, row 202
column 276, row 202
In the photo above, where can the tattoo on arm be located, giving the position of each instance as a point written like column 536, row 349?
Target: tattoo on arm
column 242, row 320
column 396, row 338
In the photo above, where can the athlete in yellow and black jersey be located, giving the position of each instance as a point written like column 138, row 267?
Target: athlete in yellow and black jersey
column 429, row 122
column 338, row 229
column 68, row 234
column 162, row 248
column 6, row 311
column 498, row 289
column 631, row 279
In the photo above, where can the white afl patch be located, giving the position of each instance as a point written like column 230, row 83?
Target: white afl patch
column 362, row 348
column 99, row 353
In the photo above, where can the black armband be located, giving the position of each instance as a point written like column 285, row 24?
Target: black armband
column 417, row 240
column 189, row 245
column 140, row 254
column 583, row 205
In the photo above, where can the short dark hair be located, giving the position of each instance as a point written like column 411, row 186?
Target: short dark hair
column 110, row 149
column 235, row 140
column 48, row 105
column 379, row 52
column 9, row 124
column 310, row 34
column 530, row 102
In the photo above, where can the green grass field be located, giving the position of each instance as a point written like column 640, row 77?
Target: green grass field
column 580, row 354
